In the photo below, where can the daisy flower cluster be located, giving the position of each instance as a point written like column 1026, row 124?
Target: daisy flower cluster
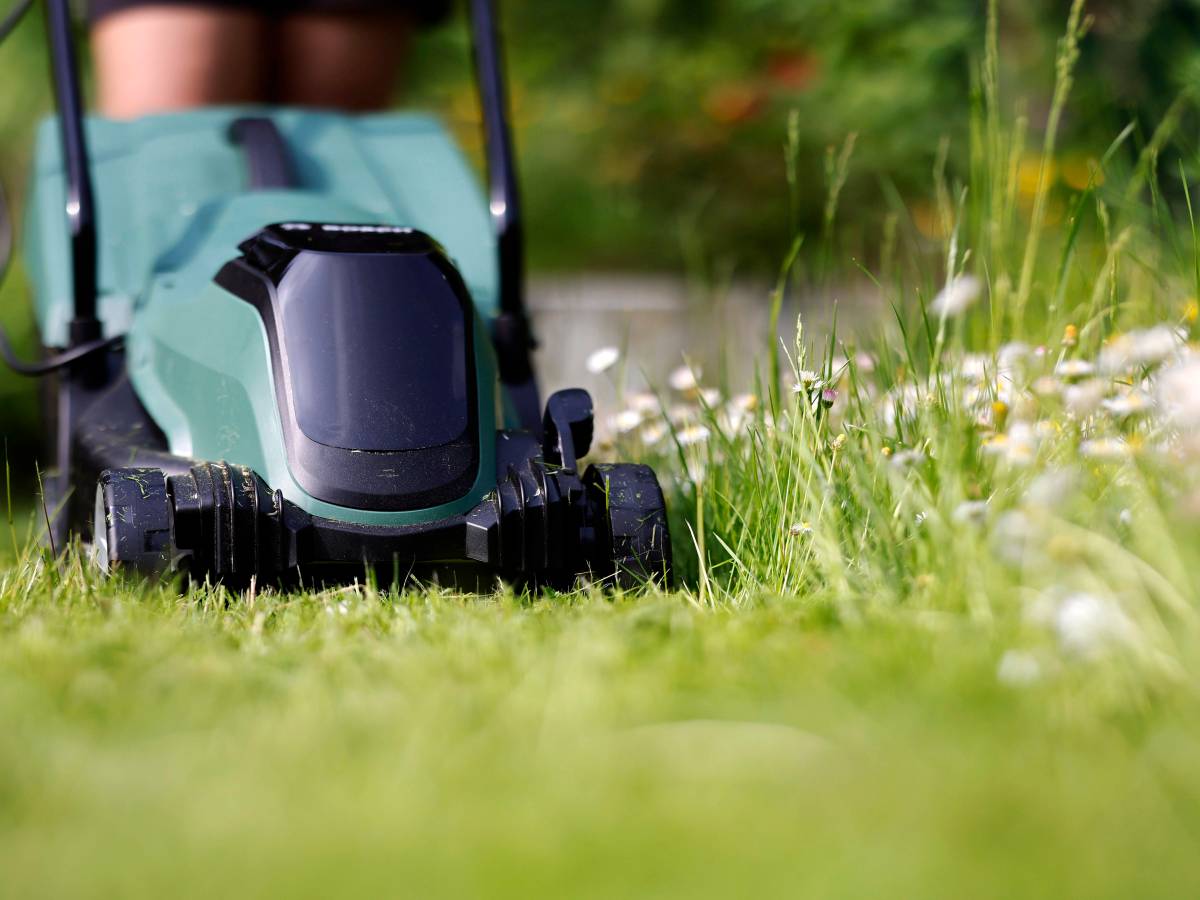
column 986, row 452
column 685, row 417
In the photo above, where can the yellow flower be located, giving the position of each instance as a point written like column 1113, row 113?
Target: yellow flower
column 1070, row 336
column 999, row 413
column 929, row 223
column 1191, row 311
column 1028, row 172
column 994, row 443
column 1080, row 171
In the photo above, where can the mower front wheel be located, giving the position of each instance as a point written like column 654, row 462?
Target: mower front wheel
column 631, row 524
column 131, row 526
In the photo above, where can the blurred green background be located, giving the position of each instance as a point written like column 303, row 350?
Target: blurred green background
column 652, row 132
column 646, row 124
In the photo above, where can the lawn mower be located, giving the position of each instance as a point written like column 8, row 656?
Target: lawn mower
column 288, row 344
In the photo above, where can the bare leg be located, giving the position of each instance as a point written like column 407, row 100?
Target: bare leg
column 159, row 58
column 340, row 61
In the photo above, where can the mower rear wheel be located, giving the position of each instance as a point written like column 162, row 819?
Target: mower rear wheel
column 631, row 515
column 131, row 527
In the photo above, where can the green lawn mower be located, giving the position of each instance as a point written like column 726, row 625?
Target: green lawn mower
column 289, row 345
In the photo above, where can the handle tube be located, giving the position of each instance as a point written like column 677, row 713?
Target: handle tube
column 503, row 197
column 511, row 334
column 80, row 209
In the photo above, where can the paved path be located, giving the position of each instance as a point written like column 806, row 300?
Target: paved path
column 657, row 319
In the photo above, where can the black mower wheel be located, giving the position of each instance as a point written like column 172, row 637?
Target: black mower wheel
column 131, row 528
column 631, row 519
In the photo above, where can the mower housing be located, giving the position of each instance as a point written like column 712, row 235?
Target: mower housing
column 290, row 343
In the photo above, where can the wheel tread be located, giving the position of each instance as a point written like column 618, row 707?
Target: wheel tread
column 639, row 540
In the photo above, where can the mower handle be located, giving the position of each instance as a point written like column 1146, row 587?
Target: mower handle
column 511, row 333
column 503, row 198
column 81, row 219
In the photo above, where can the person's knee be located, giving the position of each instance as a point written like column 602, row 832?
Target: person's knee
column 159, row 58
column 344, row 61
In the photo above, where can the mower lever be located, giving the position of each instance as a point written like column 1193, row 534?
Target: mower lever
column 567, row 428
column 269, row 167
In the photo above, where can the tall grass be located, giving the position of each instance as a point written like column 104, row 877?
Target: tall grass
column 1006, row 446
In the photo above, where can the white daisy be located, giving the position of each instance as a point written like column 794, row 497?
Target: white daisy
column 1074, row 368
column 1087, row 625
column 692, row 434
column 602, row 360
column 1147, row 347
column 643, row 401
column 1018, row 669
column 1084, row 398
column 683, row 379
column 1128, row 404
column 1179, row 394
column 971, row 512
column 957, row 296
column 1106, row 449
column 626, row 421
column 654, row 434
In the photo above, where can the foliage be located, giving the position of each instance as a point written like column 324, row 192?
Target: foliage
column 647, row 124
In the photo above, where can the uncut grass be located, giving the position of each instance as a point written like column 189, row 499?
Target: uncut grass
column 862, row 496
column 867, row 683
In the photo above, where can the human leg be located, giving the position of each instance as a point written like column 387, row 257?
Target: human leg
column 158, row 58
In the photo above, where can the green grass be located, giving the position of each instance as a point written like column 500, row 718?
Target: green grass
column 937, row 634
column 435, row 746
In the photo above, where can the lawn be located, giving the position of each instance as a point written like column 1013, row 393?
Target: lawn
column 936, row 631
column 361, row 744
